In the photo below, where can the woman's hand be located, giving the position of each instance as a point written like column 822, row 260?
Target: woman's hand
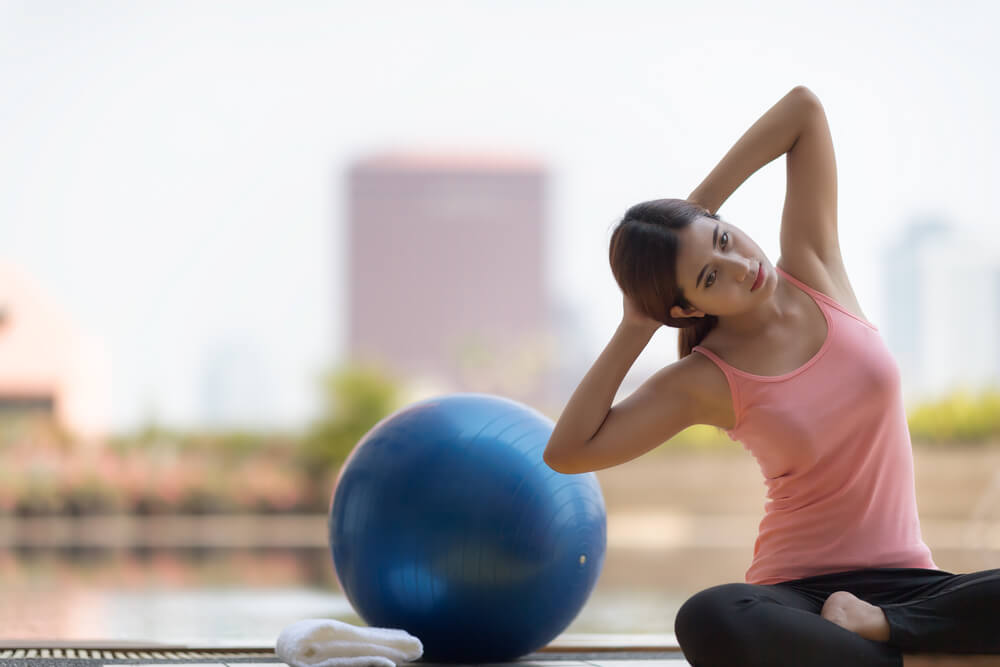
column 633, row 316
column 696, row 202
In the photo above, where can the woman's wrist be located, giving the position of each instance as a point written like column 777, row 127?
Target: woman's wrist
column 639, row 328
column 703, row 201
column 772, row 135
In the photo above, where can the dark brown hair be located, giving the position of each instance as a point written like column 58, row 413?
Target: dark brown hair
column 643, row 256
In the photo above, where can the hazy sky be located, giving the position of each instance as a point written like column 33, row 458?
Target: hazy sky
column 172, row 172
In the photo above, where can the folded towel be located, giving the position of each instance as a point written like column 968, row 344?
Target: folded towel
column 323, row 642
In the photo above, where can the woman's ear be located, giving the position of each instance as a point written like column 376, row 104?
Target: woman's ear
column 678, row 312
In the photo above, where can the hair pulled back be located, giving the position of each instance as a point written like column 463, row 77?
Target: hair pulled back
column 643, row 256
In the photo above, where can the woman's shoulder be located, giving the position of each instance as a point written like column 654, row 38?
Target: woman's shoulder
column 710, row 387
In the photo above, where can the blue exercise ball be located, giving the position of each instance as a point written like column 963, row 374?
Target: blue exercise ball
column 446, row 522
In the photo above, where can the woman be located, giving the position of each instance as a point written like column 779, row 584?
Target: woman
column 788, row 364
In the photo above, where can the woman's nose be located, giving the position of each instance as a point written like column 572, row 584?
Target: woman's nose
column 741, row 268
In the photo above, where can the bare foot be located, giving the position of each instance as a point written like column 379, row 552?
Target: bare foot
column 856, row 615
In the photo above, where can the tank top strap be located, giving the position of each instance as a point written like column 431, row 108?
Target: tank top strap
column 815, row 294
column 713, row 356
column 822, row 299
column 731, row 380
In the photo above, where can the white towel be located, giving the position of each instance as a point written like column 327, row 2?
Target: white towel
column 323, row 642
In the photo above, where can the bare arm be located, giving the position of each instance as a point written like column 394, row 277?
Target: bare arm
column 773, row 135
column 590, row 403
column 592, row 435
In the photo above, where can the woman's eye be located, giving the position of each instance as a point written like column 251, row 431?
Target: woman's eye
column 723, row 242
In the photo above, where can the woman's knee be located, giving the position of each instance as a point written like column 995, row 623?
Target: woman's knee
column 706, row 625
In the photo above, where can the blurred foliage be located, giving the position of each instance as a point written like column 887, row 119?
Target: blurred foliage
column 961, row 417
column 15, row 429
column 356, row 397
column 160, row 470
column 701, row 437
column 229, row 445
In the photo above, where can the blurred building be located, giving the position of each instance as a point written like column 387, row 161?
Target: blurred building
column 446, row 272
column 236, row 385
column 47, row 365
column 943, row 309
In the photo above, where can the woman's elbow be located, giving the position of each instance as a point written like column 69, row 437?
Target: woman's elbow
column 559, row 464
column 550, row 461
column 807, row 95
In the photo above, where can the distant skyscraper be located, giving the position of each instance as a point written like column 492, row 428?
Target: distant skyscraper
column 235, row 387
column 446, row 274
column 943, row 305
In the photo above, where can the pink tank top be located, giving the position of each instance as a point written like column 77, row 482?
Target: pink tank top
column 832, row 442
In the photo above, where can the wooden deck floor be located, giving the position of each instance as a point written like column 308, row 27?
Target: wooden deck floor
column 566, row 651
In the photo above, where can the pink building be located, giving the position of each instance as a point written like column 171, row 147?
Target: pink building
column 446, row 271
column 47, row 365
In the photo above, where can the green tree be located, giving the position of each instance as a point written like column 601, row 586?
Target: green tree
column 355, row 398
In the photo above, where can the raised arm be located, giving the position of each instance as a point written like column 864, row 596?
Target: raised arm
column 592, row 435
column 796, row 125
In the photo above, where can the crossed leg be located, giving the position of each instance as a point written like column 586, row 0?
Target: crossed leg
column 868, row 620
column 915, row 618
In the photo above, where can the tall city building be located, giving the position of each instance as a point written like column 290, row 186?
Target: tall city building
column 943, row 309
column 446, row 271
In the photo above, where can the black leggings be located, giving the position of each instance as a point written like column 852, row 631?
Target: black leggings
column 929, row 611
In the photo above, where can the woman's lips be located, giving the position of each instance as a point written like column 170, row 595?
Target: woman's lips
column 760, row 278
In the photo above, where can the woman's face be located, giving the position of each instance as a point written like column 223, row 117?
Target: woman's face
column 717, row 265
